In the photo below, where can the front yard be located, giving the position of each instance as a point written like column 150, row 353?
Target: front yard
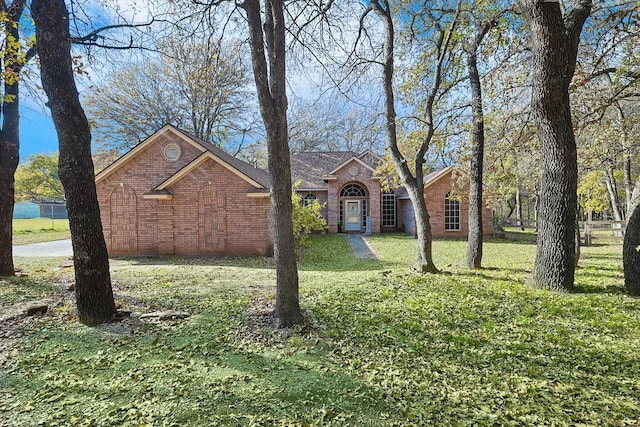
column 35, row 230
column 383, row 346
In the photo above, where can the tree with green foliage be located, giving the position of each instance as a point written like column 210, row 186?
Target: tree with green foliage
column 604, row 99
column 413, row 180
column 37, row 179
column 471, row 46
column 267, row 29
column 94, row 295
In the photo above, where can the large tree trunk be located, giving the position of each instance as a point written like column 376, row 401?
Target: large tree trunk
column 9, row 137
column 424, row 256
column 270, row 78
column 94, row 296
column 555, row 45
column 9, row 146
column 474, row 240
column 631, row 254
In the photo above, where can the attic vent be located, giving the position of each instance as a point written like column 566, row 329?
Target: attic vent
column 172, row 152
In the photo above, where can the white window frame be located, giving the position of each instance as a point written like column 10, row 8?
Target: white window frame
column 451, row 213
column 389, row 201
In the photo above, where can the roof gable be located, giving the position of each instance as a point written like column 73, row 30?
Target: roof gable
column 256, row 177
column 131, row 154
column 310, row 166
column 345, row 163
column 434, row 177
column 199, row 161
column 429, row 180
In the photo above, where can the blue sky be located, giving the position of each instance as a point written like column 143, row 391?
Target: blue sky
column 37, row 133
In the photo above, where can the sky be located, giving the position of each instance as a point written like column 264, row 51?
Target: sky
column 37, row 133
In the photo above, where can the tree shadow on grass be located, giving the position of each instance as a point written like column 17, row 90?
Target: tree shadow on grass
column 186, row 367
column 510, row 275
column 236, row 261
column 607, row 289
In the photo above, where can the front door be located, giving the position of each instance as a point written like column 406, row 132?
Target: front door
column 353, row 215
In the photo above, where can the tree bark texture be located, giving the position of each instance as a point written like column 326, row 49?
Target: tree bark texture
column 554, row 47
column 413, row 183
column 9, row 137
column 474, row 240
column 631, row 254
column 94, row 296
column 634, row 200
column 270, row 78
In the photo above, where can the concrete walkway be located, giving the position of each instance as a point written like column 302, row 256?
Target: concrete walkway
column 360, row 247
column 60, row 248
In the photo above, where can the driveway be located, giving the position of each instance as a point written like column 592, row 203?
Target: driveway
column 61, row 248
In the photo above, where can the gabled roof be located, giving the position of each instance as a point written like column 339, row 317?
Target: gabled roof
column 353, row 158
column 429, row 179
column 309, row 167
column 313, row 168
column 433, row 177
column 256, row 177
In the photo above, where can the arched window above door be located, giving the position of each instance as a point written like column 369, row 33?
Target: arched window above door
column 352, row 190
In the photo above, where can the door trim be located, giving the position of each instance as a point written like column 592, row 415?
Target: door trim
column 357, row 225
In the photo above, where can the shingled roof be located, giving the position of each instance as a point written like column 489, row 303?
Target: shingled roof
column 310, row 167
column 258, row 175
column 255, row 175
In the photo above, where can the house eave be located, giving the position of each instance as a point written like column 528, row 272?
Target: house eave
column 207, row 155
column 310, row 189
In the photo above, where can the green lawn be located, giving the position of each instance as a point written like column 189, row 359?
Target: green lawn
column 34, row 230
column 385, row 346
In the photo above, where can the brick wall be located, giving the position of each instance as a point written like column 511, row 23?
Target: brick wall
column 362, row 178
column 435, row 197
column 209, row 213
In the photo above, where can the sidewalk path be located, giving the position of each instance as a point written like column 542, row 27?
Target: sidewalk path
column 60, row 248
column 360, row 247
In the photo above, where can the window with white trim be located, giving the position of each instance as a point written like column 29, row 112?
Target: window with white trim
column 172, row 152
column 352, row 190
column 308, row 199
column 388, row 209
column 451, row 213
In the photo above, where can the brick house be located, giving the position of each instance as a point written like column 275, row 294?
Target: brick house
column 346, row 185
column 176, row 194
